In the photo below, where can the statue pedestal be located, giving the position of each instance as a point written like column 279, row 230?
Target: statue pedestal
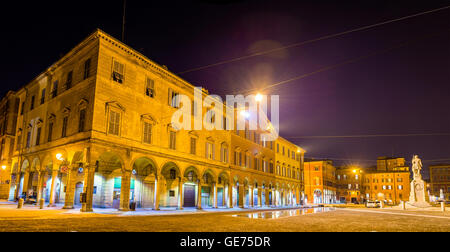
column 418, row 196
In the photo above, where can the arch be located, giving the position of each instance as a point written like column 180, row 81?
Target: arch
column 25, row 165
column 35, row 165
column 225, row 177
column 144, row 166
column 77, row 157
column 191, row 173
column 109, row 162
column 211, row 173
column 167, row 168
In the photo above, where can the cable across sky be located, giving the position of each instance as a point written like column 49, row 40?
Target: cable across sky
column 312, row 40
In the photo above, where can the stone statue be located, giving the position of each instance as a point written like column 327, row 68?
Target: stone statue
column 417, row 166
column 418, row 196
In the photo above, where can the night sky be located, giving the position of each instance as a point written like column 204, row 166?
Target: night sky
column 402, row 91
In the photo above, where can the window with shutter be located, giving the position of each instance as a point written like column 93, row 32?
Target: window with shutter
column 114, row 123
column 147, row 133
column 64, row 127
column 172, row 140
column 150, row 88
column 193, row 146
column 81, row 122
column 118, row 72
column 87, row 68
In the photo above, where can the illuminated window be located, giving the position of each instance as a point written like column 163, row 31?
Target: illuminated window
column 173, row 99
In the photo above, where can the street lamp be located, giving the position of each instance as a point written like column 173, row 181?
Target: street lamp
column 259, row 97
column 3, row 167
column 59, row 157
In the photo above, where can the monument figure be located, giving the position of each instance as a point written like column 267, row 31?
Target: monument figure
column 418, row 196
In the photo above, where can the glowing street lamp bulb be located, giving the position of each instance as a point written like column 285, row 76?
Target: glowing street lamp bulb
column 354, row 171
column 59, row 156
column 259, row 97
column 4, row 167
column 245, row 114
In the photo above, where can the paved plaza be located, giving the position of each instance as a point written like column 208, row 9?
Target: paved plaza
column 30, row 219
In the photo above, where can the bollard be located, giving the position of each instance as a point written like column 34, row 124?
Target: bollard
column 41, row 203
column 83, row 207
column 381, row 204
column 443, row 206
column 20, row 204
column 403, row 205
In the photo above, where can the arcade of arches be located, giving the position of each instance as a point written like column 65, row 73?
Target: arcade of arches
column 110, row 180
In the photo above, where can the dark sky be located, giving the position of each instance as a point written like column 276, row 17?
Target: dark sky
column 403, row 91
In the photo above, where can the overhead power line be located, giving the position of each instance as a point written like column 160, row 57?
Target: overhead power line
column 370, row 136
column 330, row 67
column 311, row 41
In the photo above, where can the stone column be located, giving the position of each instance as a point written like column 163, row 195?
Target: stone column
column 251, row 197
column 53, row 188
column 156, row 198
column 241, row 196
column 199, row 194
column 40, row 186
column 18, row 185
column 180, row 194
column 89, row 173
column 230, row 195
column 259, row 197
column 70, row 190
column 297, row 196
column 274, row 197
column 267, row 203
column 215, row 195
column 25, row 183
column 125, row 191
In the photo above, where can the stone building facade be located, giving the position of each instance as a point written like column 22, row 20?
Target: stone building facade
column 440, row 180
column 320, row 181
column 9, row 107
column 97, row 124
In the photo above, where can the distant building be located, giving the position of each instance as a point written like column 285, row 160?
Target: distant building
column 320, row 181
column 440, row 180
column 349, row 179
column 9, row 107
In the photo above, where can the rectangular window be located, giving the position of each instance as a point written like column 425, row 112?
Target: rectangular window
column 210, row 151
column 150, row 88
column 87, row 69
column 50, row 132
column 173, row 99
column 19, row 142
column 38, row 136
column 118, row 72
column 22, row 108
column 193, row 146
column 81, row 122
column 224, row 156
column 147, row 133
column 173, row 140
column 43, row 96
column 64, row 126
column 33, row 98
column 55, row 89
column 69, row 80
column 114, row 123
column 29, row 139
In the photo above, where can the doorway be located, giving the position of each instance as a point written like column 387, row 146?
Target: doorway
column 189, row 196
